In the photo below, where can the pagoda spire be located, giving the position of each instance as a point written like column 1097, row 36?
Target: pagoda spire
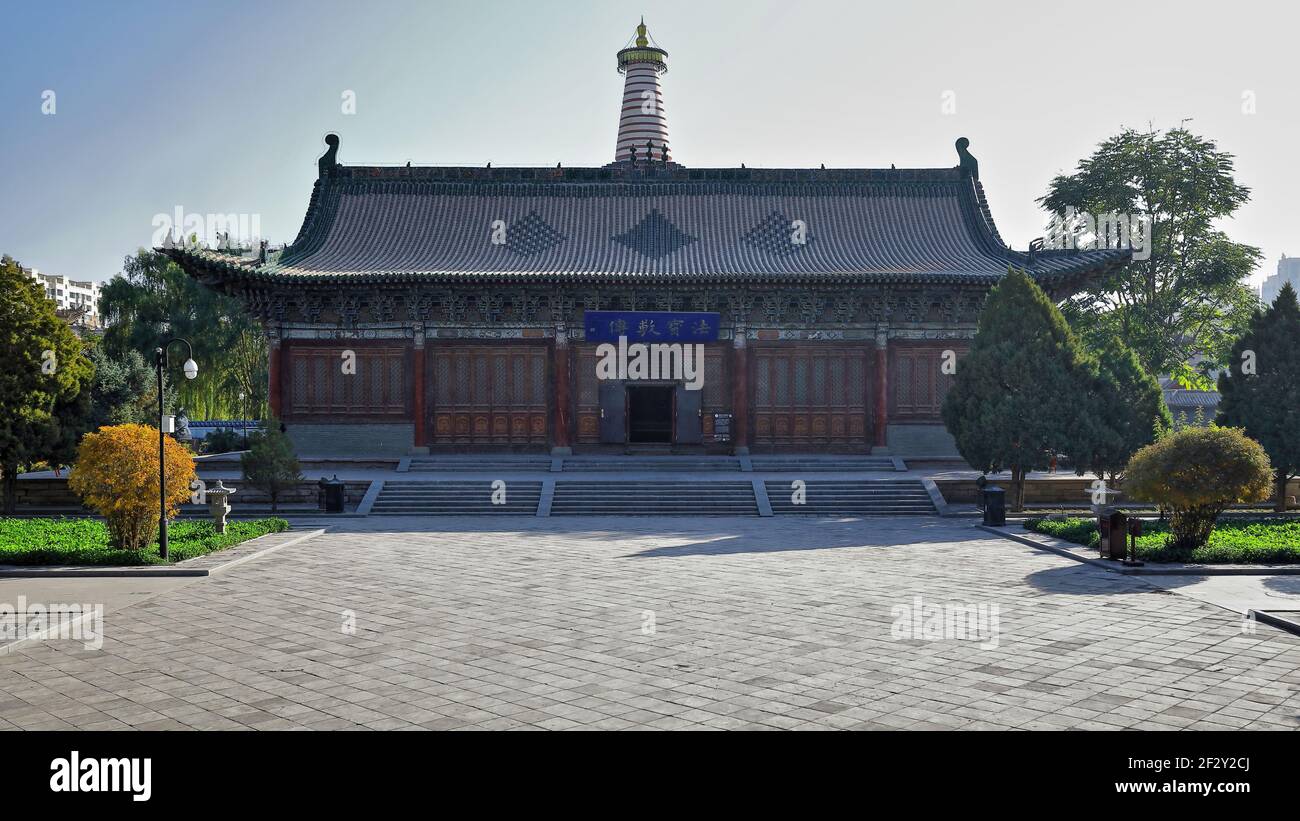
column 642, row 126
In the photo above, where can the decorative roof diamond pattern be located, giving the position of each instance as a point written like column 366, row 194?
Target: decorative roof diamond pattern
column 777, row 235
column 654, row 236
column 531, row 235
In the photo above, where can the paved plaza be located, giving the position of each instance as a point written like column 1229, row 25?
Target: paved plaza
column 614, row 623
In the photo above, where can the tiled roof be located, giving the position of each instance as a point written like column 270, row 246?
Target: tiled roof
column 657, row 223
column 1176, row 396
column 1180, row 398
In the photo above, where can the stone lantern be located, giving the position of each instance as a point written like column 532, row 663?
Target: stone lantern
column 218, row 506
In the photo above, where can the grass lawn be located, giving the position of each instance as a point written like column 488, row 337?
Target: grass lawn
column 1234, row 541
column 85, row 541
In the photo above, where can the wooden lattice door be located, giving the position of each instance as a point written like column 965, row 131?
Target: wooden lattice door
column 810, row 396
column 488, row 394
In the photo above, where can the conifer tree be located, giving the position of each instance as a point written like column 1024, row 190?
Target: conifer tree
column 1261, row 391
column 1026, row 390
column 1131, row 412
column 270, row 463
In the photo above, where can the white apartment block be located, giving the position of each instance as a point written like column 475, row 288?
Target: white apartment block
column 70, row 294
column 1288, row 270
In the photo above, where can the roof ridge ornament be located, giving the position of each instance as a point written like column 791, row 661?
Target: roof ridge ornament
column 328, row 164
column 970, row 166
column 1035, row 246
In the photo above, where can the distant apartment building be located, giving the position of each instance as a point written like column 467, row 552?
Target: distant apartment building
column 76, row 301
column 1288, row 270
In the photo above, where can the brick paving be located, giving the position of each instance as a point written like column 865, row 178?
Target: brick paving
column 498, row 623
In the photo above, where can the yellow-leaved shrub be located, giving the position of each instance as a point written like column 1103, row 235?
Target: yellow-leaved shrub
column 116, row 475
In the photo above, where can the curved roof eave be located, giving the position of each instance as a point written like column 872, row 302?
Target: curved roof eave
column 1055, row 271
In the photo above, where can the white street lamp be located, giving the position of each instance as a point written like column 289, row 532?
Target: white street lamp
column 191, row 370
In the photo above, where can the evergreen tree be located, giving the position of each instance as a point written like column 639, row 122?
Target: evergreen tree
column 41, row 382
column 1130, row 408
column 1266, row 403
column 270, row 463
column 1024, row 392
column 125, row 390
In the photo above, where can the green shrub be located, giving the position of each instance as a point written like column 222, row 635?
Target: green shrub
column 223, row 440
column 1079, row 531
column 1238, row 541
column 1197, row 473
column 88, row 541
column 270, row 464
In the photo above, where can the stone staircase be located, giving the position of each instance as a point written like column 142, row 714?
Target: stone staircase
column 657, row 498
column 633, row 464
column 455, row 498
column 800, row 464
column 899, row 497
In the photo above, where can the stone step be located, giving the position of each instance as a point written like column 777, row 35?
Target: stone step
column 632, row 464
column 486, row 463
column 781, row 464
column 897, row 497
column 654, row 498
column 421, row 510
column 824, row 496
column 458, row 489
column 845, row 504
column 510, row 487
column 454, row 498
column 854, row 487
column 854, row 511
column 454, row 494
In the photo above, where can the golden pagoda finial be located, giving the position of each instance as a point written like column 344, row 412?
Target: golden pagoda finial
column 640, row 34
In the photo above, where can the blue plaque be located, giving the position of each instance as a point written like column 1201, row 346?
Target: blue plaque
column 651, row 326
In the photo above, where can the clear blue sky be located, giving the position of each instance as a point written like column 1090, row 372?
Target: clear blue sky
column 220, row 107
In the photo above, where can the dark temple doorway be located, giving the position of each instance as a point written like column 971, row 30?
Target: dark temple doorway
column 650, row 414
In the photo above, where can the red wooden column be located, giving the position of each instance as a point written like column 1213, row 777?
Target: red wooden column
column 882, row 391
column 273, row 370
column 739, row 393
column 562, row 411
column 417, row 391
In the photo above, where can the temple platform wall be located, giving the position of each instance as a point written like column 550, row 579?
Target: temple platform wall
column 352, row 438
column 920, row 440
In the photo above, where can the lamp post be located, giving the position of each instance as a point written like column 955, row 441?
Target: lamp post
column 191, row 370
column 243, row 418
